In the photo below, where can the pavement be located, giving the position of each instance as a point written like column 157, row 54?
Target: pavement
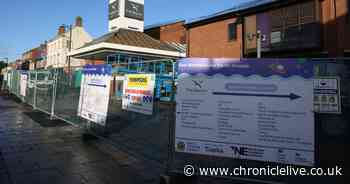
column 35, row 150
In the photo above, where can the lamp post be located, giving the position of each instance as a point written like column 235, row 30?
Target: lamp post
column 259, row 39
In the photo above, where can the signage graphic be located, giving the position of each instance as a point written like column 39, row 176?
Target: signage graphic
column 252, row 109
column 23, row 84
column 9, row 79
column 94, row 93
column 138, row 93
column 114, row 10
column 134, row 10
column 327, row 95
column 5, row 76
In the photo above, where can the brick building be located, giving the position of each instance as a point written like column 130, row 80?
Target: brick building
column 289, row 28
column 172, row 31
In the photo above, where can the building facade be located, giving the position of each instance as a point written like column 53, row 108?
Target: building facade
column 172, row 32
column 66, row 41
column 290, row 28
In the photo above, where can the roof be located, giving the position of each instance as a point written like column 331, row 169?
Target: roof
column 132, row 38
column 180, row 47
column 160, row 24
column 236, row 9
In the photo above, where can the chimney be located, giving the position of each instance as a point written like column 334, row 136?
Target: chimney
column 79, row 21
column 61, row 30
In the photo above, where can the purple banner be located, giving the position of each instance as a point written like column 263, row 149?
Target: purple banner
column 246, row 67
column 97, row 70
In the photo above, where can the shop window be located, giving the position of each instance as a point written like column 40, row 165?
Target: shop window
column 232, row 32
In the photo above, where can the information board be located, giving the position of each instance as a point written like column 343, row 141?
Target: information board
column 94, row 93
column 9, row 79
column 256, row 110
column 5, row 76
column 327, row 95
column 23, row 84
column 138, row 93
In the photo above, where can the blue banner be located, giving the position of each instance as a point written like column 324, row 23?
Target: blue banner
column 97, row 70
column 246, row 67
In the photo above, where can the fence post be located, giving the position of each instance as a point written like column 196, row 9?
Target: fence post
column 35, row 90
column 54, row 88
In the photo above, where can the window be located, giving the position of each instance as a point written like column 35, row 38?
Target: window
column 232, row 32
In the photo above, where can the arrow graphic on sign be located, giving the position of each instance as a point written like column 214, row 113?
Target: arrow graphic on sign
column 98, row 85
column 291, row 96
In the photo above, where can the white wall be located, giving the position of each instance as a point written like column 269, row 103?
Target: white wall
column 58, row 48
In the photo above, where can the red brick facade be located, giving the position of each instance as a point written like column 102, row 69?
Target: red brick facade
column 211, row 40
column 336, row 26
column 174, row 32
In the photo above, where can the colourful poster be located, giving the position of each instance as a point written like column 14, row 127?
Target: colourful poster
column 138, row 93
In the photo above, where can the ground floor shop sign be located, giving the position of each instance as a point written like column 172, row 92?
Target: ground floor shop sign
column 94, row 93
column 253, row 109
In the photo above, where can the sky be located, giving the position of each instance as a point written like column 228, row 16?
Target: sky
column 26, row 24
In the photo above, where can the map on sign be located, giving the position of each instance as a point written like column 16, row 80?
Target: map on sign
column 255, row 110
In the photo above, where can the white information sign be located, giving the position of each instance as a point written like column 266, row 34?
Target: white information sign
column 138, row 93
column 9, row 79
column 5, row 76
column 245, row 115
column 327, row 95
column 23, row 86
column 94, row 93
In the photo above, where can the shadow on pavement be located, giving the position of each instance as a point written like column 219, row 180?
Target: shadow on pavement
column 44, row 120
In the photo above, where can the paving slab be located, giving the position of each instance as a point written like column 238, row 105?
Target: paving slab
column 35, row 150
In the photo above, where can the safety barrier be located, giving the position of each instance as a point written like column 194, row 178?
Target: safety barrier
column 152, row 137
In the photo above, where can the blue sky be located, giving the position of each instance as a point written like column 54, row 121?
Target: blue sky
column 26, row 24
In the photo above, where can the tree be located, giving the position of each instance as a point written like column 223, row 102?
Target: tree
column 2, row 65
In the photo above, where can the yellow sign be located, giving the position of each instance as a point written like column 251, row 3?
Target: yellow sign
column 139, row 81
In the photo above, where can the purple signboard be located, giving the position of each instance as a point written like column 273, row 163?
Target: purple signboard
column 246, row 67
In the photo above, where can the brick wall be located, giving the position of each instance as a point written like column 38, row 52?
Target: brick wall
column 173, row 33
column 169, row 33
column 336, row 26
column 211, row 40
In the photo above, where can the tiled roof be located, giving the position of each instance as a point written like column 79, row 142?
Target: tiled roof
column 132, row 38
column 235, row 9
column 163, row 24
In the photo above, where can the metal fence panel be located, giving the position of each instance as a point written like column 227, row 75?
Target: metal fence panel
column 151, row 137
